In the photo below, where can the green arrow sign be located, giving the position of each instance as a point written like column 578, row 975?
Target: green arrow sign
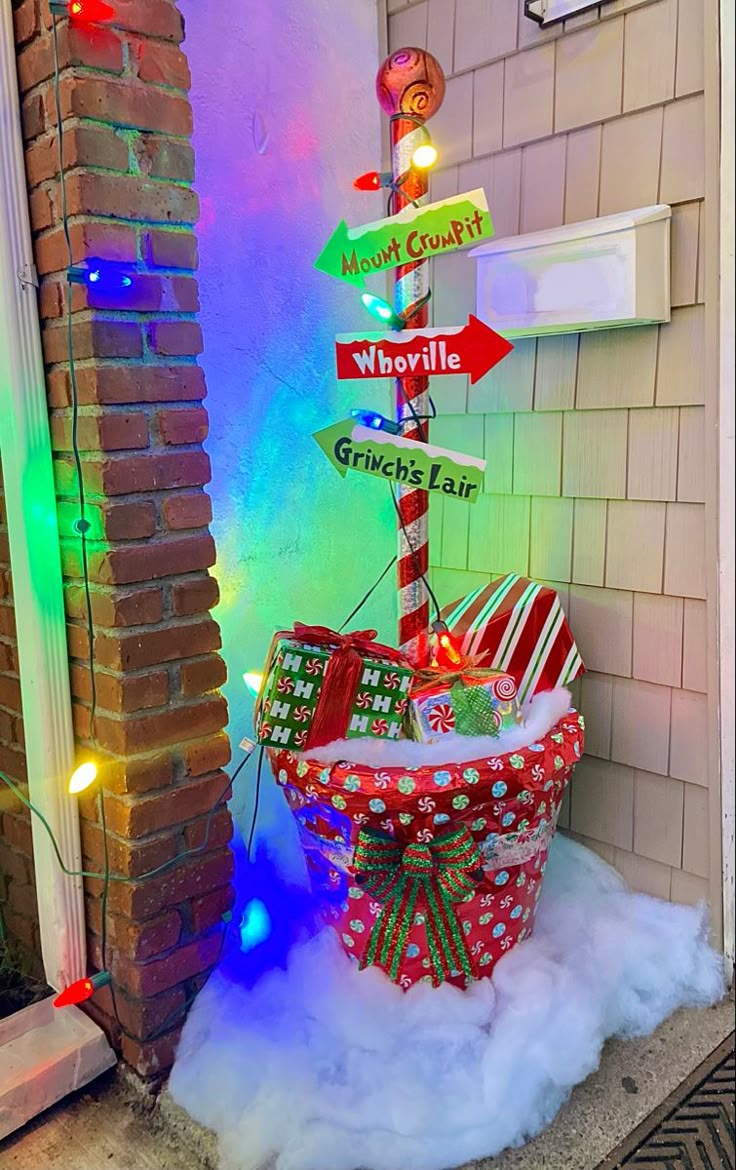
column 350, row 446
column 414, row 234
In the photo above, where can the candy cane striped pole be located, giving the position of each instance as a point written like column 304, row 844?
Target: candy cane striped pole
column 410, row 87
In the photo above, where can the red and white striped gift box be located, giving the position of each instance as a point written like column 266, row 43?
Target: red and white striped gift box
column 517, row 626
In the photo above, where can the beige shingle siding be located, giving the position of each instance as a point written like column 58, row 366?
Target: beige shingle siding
column 595, row 444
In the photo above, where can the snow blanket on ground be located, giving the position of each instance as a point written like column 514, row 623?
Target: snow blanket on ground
column 327, row 1068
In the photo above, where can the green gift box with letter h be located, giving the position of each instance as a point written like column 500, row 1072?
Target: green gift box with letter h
column 319, row 686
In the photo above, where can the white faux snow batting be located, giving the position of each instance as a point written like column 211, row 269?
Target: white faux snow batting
column 540, row 714
column 323, row 1067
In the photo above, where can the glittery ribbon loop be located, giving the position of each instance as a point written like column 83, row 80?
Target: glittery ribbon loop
column 429, row 878
column 436, row 679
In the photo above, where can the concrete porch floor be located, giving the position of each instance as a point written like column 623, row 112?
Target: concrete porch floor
column 114, row 1125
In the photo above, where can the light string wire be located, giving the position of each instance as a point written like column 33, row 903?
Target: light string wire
column 82, row 525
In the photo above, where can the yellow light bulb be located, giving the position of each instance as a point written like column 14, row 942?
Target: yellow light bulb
column 253, row 680
column 425, row 156
column 82, row 777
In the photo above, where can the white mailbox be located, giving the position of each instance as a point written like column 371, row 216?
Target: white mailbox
column 596, row 274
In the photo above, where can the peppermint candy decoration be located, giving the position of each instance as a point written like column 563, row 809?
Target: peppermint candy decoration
column 302, row 714
column 363, row 700
column 391, row 680
column 285, row 685
column 379, row 727
column 400, row 706
column 265, row 731
column 300, row 739
column 504, row 687
column 426, row 804
column 313, row 666
column 441, row 718
column 382, row 780
column 425, row 836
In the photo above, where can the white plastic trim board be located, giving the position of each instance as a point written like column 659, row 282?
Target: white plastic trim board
column 40, row 619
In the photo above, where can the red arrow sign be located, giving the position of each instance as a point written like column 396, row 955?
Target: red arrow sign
column 472, row 349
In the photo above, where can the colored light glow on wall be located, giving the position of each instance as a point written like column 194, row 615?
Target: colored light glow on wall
column 255, row 925
column 294, row 541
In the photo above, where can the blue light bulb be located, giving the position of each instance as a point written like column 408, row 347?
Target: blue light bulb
column 377, row 422
column 109, row 276
column 255, row 925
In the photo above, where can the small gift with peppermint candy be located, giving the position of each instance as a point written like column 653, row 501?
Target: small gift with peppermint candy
column 320, row 686
column 461, row 699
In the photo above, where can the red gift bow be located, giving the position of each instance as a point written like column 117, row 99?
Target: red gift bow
column 431, row 878
column 341, row 678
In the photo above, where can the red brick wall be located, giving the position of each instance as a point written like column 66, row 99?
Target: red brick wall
column 160, row 719
column 18, row 906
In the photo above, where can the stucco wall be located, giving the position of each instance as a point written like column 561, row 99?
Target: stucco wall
column 285, row 117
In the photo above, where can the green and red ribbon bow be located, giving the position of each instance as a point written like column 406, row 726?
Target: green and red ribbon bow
column 413, row 878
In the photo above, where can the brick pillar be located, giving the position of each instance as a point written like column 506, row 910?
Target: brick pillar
column 160, row 719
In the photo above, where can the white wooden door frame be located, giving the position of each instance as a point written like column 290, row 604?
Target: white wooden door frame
column 31, row 1078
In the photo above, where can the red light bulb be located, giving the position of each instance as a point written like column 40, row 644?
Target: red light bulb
column 90, row 11
column 370, row 181
column 448, row 653
column 81, row 989
column 74, row 993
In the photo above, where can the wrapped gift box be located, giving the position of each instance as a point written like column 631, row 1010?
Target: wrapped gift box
column 431, row 873
column 517, row 626
column 319, row 686
column 463, row 702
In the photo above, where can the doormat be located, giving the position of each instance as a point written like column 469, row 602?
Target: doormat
column 693, row 1129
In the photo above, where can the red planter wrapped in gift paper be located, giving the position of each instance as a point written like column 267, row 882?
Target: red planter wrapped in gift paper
column 433, row 872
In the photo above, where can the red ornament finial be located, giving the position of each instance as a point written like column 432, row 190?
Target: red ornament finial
column 411, row 81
